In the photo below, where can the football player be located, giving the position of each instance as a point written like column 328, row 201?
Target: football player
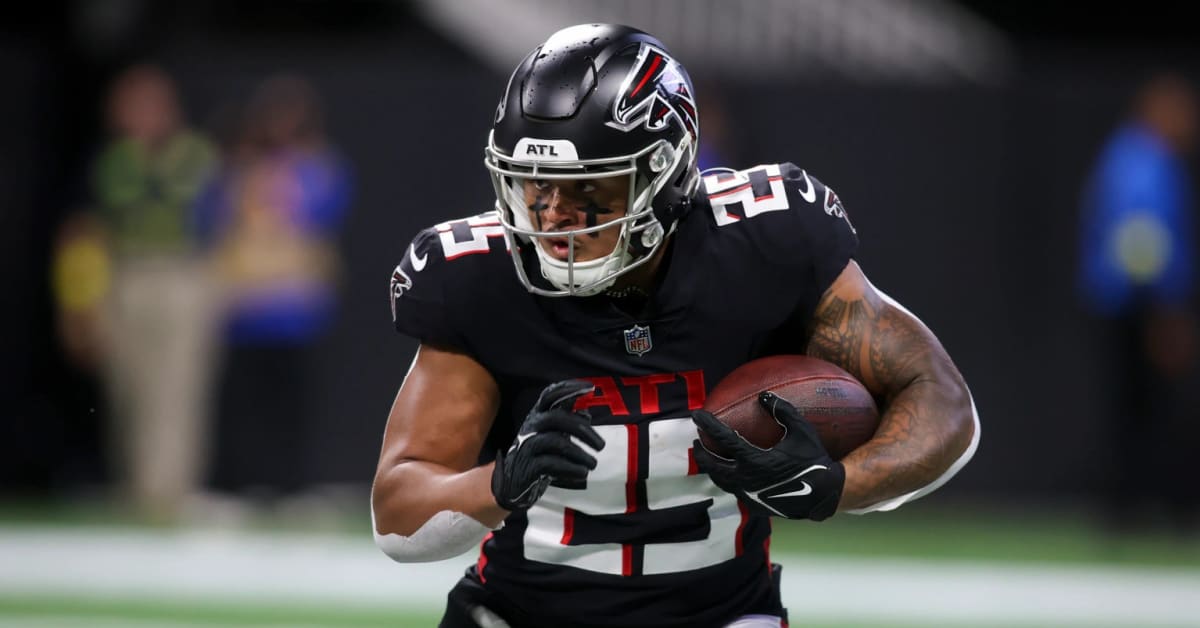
column 551, row 413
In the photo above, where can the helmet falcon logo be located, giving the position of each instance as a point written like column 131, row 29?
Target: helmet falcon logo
column 654, row 92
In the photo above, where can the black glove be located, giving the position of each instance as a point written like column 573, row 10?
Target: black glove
column 795, row 479
column 543, row 452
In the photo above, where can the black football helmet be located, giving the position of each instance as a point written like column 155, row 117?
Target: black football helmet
column 595, row 100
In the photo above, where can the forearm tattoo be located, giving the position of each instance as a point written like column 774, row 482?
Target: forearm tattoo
column 923, row 398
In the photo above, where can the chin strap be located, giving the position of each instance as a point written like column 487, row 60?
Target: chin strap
column 627, row 291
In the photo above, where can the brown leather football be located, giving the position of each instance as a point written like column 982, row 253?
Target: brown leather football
column 840, row 408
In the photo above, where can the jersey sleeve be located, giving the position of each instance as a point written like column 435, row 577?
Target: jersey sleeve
column 831, row 236
column 794, row 224
column 420, row 308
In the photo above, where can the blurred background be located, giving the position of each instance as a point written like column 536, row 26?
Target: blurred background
column 202, row 202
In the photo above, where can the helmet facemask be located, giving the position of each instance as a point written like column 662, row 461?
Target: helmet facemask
column 641, row 232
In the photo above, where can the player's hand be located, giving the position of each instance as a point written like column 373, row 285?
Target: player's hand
column 543, row 451
column 795, row 479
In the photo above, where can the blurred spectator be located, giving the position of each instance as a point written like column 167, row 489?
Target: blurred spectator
column 271, row 218
column 80, row 278
column 1137, row 274
column 156, row 344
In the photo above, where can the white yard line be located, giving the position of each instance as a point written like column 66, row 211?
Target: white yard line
column 318, row 570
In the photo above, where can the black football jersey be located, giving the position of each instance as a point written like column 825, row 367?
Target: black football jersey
column 649, row 541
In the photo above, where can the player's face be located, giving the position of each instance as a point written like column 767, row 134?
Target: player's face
column 565, row 204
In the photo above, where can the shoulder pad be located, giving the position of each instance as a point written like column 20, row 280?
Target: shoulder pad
column 784, row 216
column 430, row 282
column 739, row 194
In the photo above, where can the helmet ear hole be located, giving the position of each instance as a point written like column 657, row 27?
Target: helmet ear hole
column 652, row 235
column 661, row 158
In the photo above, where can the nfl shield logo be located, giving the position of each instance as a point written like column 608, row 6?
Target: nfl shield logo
column 637, row 340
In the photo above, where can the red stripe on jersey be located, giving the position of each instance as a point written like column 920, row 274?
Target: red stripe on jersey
column 767, row 550
column 729, row 191
column 483, row 559
column 466, row 253
column 568, row 526
column 489, row 223
column 626, row 560
column 478, row 252
column 695, row 388
column 648, row 389
column 737, row 536
column 742, row 187
column 692, row 468
column 631, row 479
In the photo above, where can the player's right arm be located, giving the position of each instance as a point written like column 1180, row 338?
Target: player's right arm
column 435, row 430
column 431, row 499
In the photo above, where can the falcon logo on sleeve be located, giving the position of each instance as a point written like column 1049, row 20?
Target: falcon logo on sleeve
column 400, row 282
column 833, row 207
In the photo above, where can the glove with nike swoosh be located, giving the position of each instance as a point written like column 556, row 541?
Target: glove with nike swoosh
column 795, row 479
column 543, row 452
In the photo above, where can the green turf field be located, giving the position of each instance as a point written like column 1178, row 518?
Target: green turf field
column 82, row 611
column 946, row 546
column 931, row 529
column 67, row 613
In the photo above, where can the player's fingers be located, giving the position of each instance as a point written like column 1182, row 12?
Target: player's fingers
column 718, row 469
column 533, row 490
column 574, row 484
column 569, row 423
column 707, row 459
column 781, row 409
column 725, row 436
column 562, row 471
column 785, row 413
column 560, row 446
column 562, row 394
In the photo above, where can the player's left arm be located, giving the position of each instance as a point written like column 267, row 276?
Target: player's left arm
column 928, row 429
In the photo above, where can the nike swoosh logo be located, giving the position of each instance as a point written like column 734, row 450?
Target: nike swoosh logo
column 755, row 495
column 804, row 491
column 809, row 194
column 418, row 263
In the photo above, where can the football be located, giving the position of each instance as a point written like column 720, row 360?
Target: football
column 840, row 408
